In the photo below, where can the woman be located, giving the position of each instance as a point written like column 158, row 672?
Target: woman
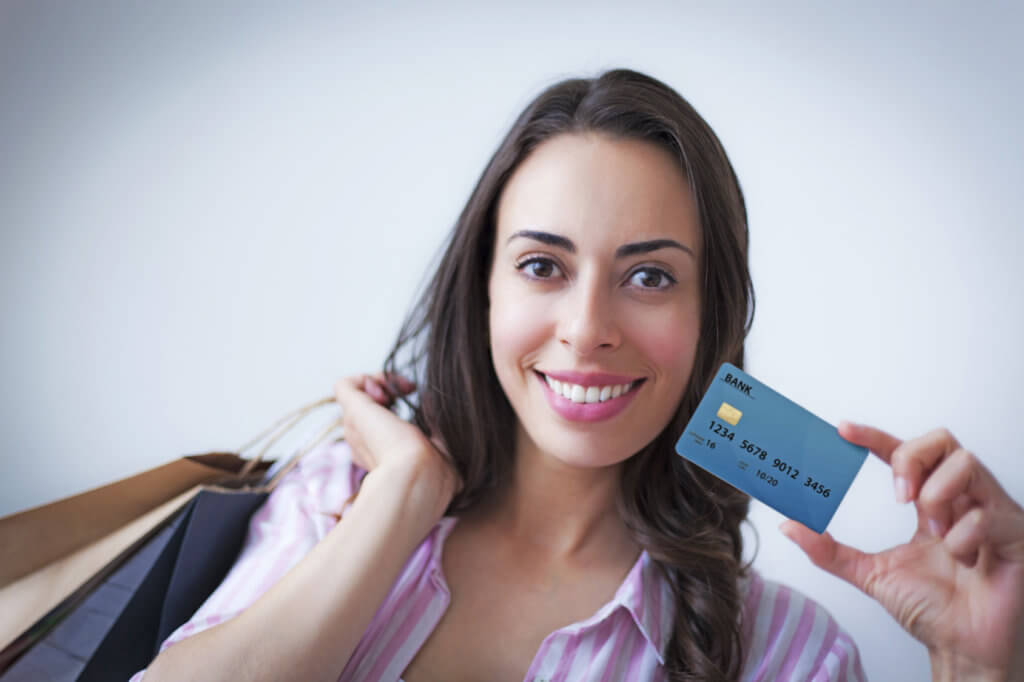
column 533, row 521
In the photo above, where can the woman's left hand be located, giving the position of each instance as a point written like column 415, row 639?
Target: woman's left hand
column 958, row 584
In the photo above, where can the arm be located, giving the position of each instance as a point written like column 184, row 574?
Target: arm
column 307, row 625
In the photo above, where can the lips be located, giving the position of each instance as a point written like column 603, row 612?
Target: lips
column 588, row 397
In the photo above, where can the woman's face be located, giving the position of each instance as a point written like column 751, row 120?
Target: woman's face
column 594, row 296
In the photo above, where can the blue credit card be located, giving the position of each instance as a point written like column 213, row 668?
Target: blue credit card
column 769, row 447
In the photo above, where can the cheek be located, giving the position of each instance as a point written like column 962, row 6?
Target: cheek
column 518, row 327
column 670, row 342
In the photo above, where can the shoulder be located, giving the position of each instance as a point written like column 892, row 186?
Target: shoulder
column 789, row 636
column 299, row 512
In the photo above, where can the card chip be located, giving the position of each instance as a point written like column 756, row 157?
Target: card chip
column 728, row 413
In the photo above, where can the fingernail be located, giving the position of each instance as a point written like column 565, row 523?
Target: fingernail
column 937, row 529
column 902, row 489
column 374, row 390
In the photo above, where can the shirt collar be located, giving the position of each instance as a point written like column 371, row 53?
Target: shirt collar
column 647, row 595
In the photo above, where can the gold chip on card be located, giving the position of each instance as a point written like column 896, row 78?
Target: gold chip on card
column 728, row 413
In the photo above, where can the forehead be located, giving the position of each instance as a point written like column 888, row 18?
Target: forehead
column 595, row 189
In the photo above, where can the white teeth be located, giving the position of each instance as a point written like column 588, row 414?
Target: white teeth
column 586, row 394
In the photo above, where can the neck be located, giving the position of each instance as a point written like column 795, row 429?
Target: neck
column 564, row 511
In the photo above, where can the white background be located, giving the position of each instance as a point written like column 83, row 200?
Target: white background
column 212, row 210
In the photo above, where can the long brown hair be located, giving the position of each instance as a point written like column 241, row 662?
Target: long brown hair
column 687, row 520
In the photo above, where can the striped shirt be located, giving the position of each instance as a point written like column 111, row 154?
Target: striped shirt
column 787, row 636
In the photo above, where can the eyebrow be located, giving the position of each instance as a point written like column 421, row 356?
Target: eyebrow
column 623, row 251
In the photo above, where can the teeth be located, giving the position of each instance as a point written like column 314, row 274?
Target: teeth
column 588, row 394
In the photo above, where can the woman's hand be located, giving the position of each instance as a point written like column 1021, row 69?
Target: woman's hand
column 310, row 621
column 958, row 584
column 380, row 440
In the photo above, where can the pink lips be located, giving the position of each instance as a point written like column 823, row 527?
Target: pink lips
column 587, row 412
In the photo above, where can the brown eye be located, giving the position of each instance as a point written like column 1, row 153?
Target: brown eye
column 539, row 268
column 651, row 278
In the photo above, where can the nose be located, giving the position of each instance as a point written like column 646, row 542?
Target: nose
column 587, row 322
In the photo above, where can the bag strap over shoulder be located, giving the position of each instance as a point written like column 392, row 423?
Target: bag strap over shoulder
column 276, row 475
column 277, row 431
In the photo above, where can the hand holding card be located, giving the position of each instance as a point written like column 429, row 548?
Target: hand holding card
column 958, row 584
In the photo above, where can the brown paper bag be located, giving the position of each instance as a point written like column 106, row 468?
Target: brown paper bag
column 54, row 554
column 31, row 539
column 39, row 592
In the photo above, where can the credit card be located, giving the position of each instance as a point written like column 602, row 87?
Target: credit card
column 769, row 447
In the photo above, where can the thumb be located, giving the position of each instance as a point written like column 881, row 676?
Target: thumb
column 826, row 553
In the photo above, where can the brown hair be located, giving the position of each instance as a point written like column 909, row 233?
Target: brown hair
column 686, row 519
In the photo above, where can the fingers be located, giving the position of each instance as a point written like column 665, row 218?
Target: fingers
column 957, row 497
column 840, row 560
column 915, row 459
column 911, row 460
column 371, row 429
column 958, row 483
column 383, row 388
column 1001, row 529
column 882, row 444
column 875, row 440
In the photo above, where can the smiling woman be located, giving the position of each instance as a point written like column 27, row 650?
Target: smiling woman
column 608, row 297
column 532, row 520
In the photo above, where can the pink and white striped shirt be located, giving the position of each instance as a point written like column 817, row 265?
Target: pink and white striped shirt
column 788, row 636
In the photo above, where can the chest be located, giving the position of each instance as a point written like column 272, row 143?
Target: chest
column 504, row 616
column 473, row 643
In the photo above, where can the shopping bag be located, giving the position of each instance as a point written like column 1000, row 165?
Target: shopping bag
column 112, row 624
column 53, row 553
column 116, row 630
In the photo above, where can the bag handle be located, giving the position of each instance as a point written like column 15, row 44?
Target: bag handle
column 290, row 464
column 279, row 429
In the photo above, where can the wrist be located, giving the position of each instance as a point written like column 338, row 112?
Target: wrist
column 949, row 667
column 422, row 481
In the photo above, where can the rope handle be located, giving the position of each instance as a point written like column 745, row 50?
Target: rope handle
column 305, row 450
column 279, row 429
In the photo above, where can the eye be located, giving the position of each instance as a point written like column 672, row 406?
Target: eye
column 538, row 267
column 651, row 279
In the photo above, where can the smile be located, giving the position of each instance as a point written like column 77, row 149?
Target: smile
column 594, row 398
column 588, row 394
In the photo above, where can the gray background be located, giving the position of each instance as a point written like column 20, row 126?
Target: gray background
column 212, row 210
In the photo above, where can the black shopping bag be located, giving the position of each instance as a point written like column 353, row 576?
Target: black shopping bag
column 115, row 629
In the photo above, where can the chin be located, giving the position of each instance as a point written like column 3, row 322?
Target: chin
column 590, row 452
